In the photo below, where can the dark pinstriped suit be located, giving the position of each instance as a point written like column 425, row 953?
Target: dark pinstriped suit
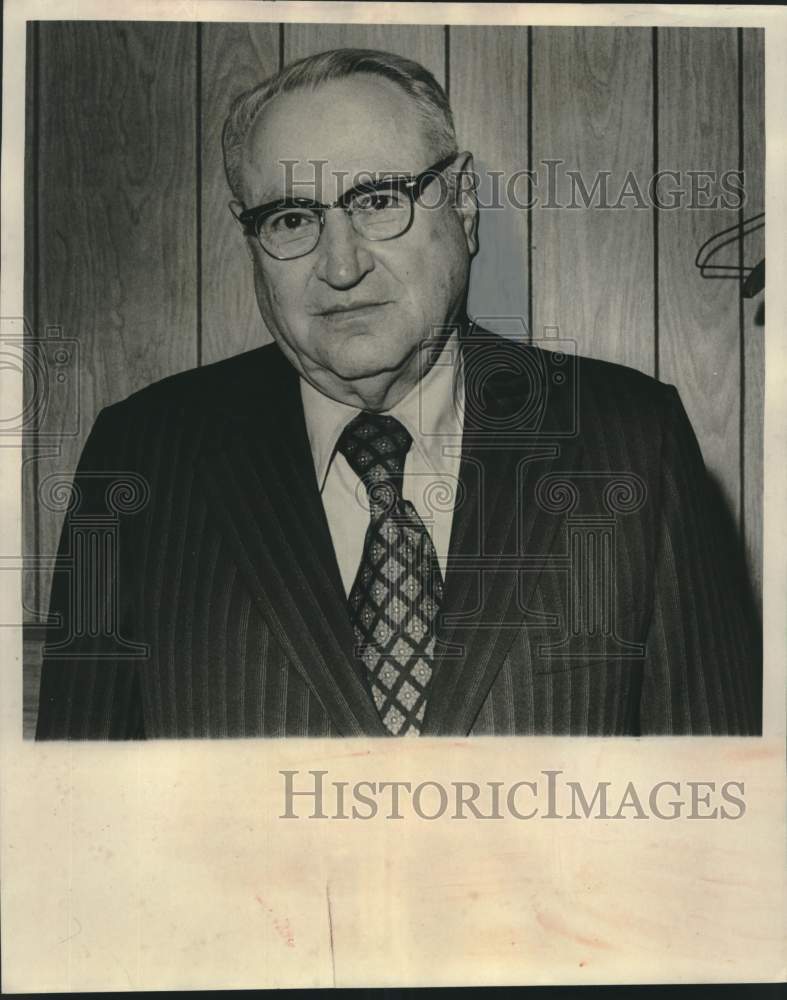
column 228, row 574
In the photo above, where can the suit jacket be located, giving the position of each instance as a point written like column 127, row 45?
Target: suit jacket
column 591, row 587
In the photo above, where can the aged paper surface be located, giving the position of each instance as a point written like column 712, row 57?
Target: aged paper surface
column 192, row 865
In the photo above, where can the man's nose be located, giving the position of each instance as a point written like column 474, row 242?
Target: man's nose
column 342, row 257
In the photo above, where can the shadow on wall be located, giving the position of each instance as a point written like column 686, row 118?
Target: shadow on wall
column 498, row 278
column 733, row 561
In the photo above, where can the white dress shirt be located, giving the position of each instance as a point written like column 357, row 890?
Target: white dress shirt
column 432, row 412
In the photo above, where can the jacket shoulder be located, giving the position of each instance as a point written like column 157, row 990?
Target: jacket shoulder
column 575, row 384
column 210, row 387
column 616, row 384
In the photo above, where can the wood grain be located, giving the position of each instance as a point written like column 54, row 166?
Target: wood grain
column 424, row 44
column 699, row 326
column 593, row 267
column 31, row 591
column 235, row 57
column 32, row 649
column 753, row 309
column 489, row 96
column 117, row 214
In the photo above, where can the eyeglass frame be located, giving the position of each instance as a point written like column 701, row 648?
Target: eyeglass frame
column 412, row 184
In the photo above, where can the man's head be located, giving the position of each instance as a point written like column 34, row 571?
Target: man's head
column 352, row 313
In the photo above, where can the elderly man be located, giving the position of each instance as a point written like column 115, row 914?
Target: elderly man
column 389, row 522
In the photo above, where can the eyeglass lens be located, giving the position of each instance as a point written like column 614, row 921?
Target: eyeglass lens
column 376, row 215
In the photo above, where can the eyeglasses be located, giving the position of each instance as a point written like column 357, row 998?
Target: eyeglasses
column 289, row 228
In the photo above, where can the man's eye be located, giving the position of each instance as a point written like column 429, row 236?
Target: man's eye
column 377, row 201
column 290, row 221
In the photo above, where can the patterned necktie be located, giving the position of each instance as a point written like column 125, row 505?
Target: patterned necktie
column 398, row 588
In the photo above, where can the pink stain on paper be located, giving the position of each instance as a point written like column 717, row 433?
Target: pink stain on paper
column 280, row 924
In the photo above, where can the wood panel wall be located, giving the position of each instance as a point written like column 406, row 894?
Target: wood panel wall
column 131, row 249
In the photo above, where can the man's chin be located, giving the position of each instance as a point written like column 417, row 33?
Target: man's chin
column 363, row 384
column 359, row 372
column 368, row 364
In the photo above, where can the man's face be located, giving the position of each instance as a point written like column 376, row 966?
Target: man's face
column 351, row 314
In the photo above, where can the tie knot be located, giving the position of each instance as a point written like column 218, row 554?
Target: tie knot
column 375, row 446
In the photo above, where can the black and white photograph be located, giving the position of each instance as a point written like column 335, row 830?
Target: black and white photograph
column 411, row 380
column 379, row 371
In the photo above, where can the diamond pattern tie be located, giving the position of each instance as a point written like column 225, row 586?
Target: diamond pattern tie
column 398, row 588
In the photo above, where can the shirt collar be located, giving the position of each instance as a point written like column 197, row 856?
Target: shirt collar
column 432, row 411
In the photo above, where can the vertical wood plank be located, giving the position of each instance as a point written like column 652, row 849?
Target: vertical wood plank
column 235, row 57
column 699, row 323
column 117, row 196
column 593, row 267
column 31, row 591
column 753, row 309
column 32, row 650
column 489, row 96
column 424, row 44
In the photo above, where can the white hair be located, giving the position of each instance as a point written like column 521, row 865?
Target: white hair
column 429, row 99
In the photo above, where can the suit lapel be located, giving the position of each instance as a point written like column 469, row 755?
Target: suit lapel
column 259, row 476
column 508, row 446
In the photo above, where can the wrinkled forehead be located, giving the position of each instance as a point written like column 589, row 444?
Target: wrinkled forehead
column 315, row 143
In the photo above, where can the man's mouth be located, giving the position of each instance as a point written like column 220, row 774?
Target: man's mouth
column 347, row 308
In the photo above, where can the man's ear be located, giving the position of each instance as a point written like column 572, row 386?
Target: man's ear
column 465, row 183
column 236, row 207
column 249, row 241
